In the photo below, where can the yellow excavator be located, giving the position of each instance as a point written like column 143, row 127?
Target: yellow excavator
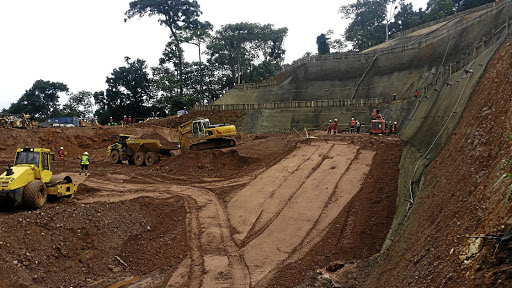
column 200, row 134
column 30, row 180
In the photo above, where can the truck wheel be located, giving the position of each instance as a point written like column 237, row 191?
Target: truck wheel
column 138, row 158
column 151, row 158
column 115, row 158
column 34, row 194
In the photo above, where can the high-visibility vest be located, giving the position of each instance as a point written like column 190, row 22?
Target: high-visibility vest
column 85, row 160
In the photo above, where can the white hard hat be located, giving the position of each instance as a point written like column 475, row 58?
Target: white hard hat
column 352, row 118
column 395, row 122
column 61, row 148
column 336, row 120
column 85, row 153
column 330, row 120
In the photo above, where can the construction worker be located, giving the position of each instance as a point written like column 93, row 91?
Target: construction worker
column 352, row 125
column 111, row 120
column 329, row 127
column 61, row 154
column 358, row 126
column 129, row 119
column 84, row 162
column 124, row 120
column 394, row 97
column 416, row 92
column 335, row 126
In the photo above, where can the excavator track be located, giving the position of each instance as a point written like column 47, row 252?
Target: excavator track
column 213, row 144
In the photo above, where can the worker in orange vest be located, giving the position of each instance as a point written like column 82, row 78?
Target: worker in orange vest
column 352, row 125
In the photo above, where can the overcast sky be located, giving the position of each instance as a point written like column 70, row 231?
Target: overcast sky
column 80, row 42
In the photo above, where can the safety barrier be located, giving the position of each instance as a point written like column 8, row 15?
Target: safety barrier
column 293, row 104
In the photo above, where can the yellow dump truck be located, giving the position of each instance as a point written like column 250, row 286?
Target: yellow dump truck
column 30, row 180
column 139, row 151
column 200, row 134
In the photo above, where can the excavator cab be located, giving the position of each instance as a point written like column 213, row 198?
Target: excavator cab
column 199, row 128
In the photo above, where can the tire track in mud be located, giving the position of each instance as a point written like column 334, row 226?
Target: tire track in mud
column 215, row 260
column 243, row 213
column 288, row 230
column 279, row 198
column 346, row 188
column 195, row 262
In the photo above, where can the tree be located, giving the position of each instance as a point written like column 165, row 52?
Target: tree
column 180, row 16
column 40, row 101
column 197, row 38
column 407, row 18
column 79, row 104
column 390, row 15
column 367, row 28
column 128, row 93
column 468, row 4
column 236, row 48
column 322, row 44
column 437, row 9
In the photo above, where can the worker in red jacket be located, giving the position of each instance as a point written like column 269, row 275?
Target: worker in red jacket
column 335, row 126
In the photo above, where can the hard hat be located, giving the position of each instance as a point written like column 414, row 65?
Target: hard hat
column 394, row 93
column 85, row 153
column 395, row 122
column 330, row 120
column 61, row 148
column 352, row 118
column 336, row 120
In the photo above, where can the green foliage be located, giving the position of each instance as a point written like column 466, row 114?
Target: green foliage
column 128, row 93
column 437, row 9
column 407, row 18
column 180, row 16
column 322, row 44
column 367, row 27
column 40, row 101
column 237, row 48
column 506, row 165
column 79, row 104
column 468, row 4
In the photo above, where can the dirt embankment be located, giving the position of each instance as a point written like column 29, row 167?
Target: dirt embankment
column 457, row 200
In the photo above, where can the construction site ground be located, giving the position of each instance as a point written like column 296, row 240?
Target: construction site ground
column 266, row 213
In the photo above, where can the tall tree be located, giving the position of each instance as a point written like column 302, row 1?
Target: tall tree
column 437, row 9
column 79, row 104
column 367, row 27
column 197, row 38
column 407, row 18
column 41, row 100
column 180, row 16
column 239, row 47
column 321, row 43
column 128, row 93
